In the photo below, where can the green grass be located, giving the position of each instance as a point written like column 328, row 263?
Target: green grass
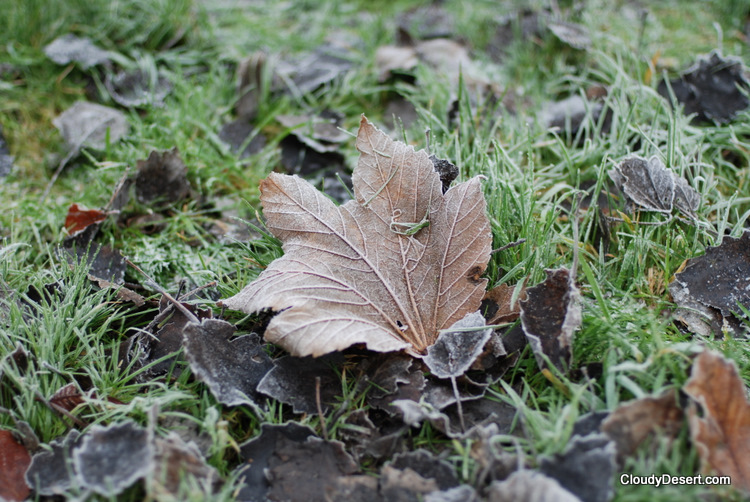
column 533, row 177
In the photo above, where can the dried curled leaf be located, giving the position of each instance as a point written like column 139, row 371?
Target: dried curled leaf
column 388, row 270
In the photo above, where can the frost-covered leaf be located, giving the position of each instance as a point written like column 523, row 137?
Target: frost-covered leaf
column 531, row 486
column 83, row 51
column 456, row 349
column 292, row 380
column 721, row 429
column 110, row 459
column 573, row 34
column 371, row 271
column 161, row 178
column 586, row 468
column 138, row 87
column 320, row 132
column 52, row 472
column 91, row 125
column 550, row 315
column 714, row 88
column 232, row 369
column 174, row 462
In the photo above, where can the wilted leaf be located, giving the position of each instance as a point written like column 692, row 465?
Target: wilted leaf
column 575, row 35
column 498, row 306
column 323, row 66
column 531, row 486
column 428, row 466
column 232, row 369
column 103, row 262
column 257, row 454
column 549, row 316
column 110, row 459
column 586, row 468
column 721, row 429
column 176, row 461
column 138, row 87
column 635, row 421
column 292, row 462
column 292, row 380
column 647, row 184
column 91, row 125
column 363, row 272
column 321, row 132
column 14, row 460
column 455, row 351
column 237, row 133
column 720, row 279
column 713, row 88
column 83, row 51
column 52, row 472
column 162, row 177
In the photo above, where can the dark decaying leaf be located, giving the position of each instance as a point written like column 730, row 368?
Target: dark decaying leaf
column 298, row 158
column 719, row 418
column 359, row 273
column 531, row 486
column 138, row 87
column 718, row 280
column 91, row 125
column 428, row 466
column 14, row 460
column 523, row 24
column 498, row 306
column 103, row 262
column 67, row 397
column 70, row 48
column 6, row 159
column 162, row 177
column 586, row 468
column 494, row 462
column 713, row 88
column 174, row 462
column 292, row 462
column 455, row 351
column 52, row 472
column 292, row 380
column 257, row 453
column 635, row 421
column 232, row 369
column 549, row 316
column 646, row 183
column 446, row 169
column 409, row 384
column 427, row 21
column 364, row 439
column 110, row 459
column 324, row 65
column 237, row 134
column 249, row 86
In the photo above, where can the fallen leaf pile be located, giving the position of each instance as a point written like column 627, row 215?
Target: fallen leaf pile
column 389, row 270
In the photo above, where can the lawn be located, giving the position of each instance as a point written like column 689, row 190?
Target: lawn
column 112, row 323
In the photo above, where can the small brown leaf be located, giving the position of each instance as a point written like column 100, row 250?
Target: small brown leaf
column 498, row 306
column 14, row 460
column 79, row 218
column 721, row 430
column 388, row 270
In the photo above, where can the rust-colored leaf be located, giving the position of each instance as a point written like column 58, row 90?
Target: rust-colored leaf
column 721, row 431
column 14, row 460
column 388, row 270
column 79, row 218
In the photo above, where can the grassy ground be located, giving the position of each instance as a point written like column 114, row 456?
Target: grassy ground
column 532, row 177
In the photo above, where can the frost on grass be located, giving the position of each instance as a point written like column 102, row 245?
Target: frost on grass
column 388, row 270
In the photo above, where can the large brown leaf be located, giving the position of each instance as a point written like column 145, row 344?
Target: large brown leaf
column 350, row 275
column 721, row 431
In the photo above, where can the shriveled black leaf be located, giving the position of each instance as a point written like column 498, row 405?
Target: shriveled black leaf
column 257, row 453
column 138, row 87
column 720, row 280
column 365, row 439
column 290, row 466
column 713, row 88
column 103, row 262
column 384, row 372
column 441, row 394
column 455, row 350
column 586, row 468
column 91, row 125
column 292, row 381
column 428, row 466
column 162, row 178
column 232, row 369
column 324, row 65
column 447, row 171
column 297, row 158
column 110, row 459
column 529, row 485
column 70, row 48
column 237, row 134
column 646, row 183
column 550, row 315
column 409, row 385
column 51, row 471
column 6, row 159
